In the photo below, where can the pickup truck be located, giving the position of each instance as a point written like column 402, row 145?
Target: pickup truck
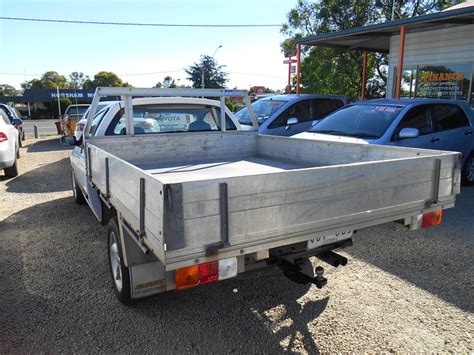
column 197, row 206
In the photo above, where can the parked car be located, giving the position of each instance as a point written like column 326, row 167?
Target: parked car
column 419, row 123
column 285, row 115
column 82, row 122
column 15, row 119
column 9, row 146
column 161, row 115
column 71, row 116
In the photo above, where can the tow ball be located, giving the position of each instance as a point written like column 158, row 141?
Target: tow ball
column 293, row 271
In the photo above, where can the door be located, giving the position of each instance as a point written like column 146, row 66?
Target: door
column 452, row 128
column 300, row 110
column 418, row 117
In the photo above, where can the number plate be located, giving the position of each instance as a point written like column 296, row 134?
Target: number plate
column 328, row 239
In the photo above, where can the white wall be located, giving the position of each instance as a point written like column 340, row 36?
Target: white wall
column 443, row 46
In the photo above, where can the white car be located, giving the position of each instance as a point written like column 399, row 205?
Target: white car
column 82, row 122
column 9, row 146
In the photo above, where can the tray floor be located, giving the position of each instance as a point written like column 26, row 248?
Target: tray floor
column 214, row 169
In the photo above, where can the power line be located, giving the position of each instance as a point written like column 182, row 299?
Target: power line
column 134, row 23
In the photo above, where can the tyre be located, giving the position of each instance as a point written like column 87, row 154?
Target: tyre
column 467, row 173
column 119, row 273
column 13, row 170
column 23, row 137
column 76, row 191
column 20, row 143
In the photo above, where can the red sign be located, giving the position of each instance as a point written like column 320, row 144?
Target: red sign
column 259, row 89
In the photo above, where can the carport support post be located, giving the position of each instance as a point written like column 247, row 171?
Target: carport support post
column 401, row 52
column 298, row 68
column 364, row 75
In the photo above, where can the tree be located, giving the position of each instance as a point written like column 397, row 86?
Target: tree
column 8, row 90
column 168, row 83
column 49, row 80
column 104, row 78
column 77, row 79
column 327, row 70
column 214, row 76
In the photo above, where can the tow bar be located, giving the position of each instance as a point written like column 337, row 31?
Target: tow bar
column 293, row 272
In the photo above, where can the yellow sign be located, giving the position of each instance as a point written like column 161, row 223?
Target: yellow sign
column 431, row 77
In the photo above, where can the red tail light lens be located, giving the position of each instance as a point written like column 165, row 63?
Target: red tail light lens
column 205, row 273
column 432, row 218
column 3, row 137
column 209, row 272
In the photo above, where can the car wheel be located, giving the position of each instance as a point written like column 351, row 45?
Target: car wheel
column 20, row 143
column 119, row 273
column 23, row 137
column 468, row 171
column 76, row 191
column 13, row 170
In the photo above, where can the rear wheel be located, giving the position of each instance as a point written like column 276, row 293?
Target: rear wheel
column 20, row 143
column 468, row 171
column 76, row 191
column 118, row 271
column 13, row 170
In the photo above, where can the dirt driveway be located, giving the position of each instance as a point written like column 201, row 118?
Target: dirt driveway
column 401, row 291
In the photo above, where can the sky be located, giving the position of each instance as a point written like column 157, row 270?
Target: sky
column 143, row 56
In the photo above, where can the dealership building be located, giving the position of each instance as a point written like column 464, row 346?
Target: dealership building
column 435, row 52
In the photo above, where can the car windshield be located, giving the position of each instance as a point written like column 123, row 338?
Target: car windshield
column 362, row 121
column 77, row 110
column 263, row 109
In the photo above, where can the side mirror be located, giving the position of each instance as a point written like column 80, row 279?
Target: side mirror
column 17, row 122
column 291, row 121
column 406, row 133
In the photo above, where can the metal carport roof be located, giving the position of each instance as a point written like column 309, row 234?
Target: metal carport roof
column 376, row 38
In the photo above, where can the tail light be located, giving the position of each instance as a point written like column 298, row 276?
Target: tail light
column 80, row 127
column 205, row 273
column 3, row 137
column 432, row 219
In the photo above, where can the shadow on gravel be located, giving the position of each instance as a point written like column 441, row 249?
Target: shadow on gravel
column 56, row 296
column 436, row 259
column 54, row 177
column 47, row 145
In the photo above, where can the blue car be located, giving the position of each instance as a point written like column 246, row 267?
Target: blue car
column 285, row 115
column 420, row 123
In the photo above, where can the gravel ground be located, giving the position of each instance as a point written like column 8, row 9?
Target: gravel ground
column 401, row 291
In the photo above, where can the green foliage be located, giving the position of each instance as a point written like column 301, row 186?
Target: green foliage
column 214, row 76
column 77, row 79
column 105, row 78
column 168, row 83
column 49, row 80
column 335, row 71
column 8, row 90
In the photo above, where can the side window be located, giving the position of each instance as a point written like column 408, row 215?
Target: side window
column 4, row 117
column 447, row 117
column 170, row 119
column 417, row 117
column 300, row 110
column 323, row 107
